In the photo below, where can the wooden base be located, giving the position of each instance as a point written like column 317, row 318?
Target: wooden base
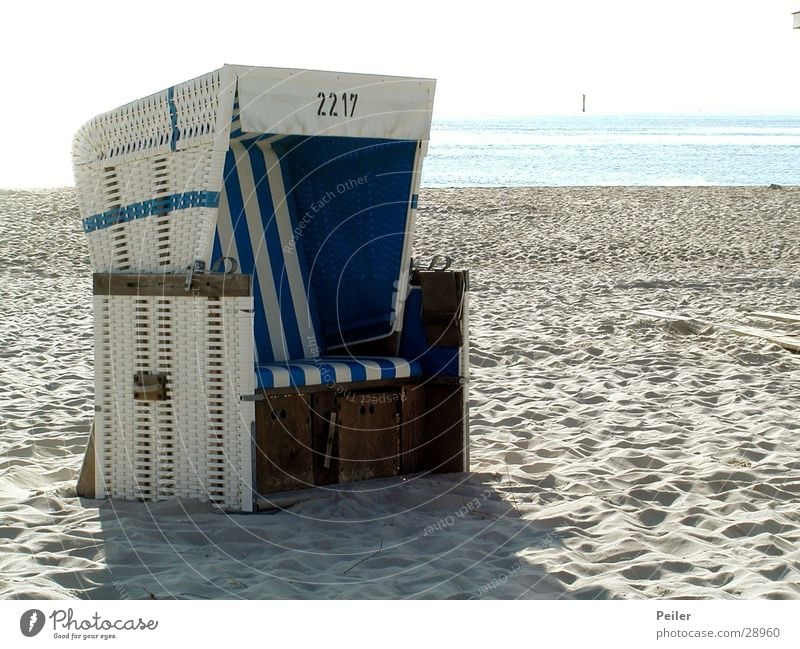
column 436, row 441
column 321, row 437
column 85, row 487
column 326, row 437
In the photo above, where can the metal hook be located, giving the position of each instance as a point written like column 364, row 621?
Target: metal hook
column 440, row 259
column 219, row 266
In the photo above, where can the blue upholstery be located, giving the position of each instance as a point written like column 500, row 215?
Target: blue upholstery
column 435, row 360
column 333, row 370
column 321, row 224
column 257, row 227
column 352, row 197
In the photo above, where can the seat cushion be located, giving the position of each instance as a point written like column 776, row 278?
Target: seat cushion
column 331, row 370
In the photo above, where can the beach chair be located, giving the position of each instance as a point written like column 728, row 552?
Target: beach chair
column 259, row 324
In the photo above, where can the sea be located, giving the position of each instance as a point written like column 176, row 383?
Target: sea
column 585, row 149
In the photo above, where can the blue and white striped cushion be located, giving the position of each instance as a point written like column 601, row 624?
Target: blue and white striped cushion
column 332, row 370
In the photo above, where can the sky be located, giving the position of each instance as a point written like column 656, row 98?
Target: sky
column 68, row 61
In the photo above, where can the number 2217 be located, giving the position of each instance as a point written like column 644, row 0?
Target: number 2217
column 346, row 104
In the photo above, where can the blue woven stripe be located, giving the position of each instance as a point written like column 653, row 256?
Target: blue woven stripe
column 246, row 259
column 175, row 134
column 414, row 201
column 152, row 207
column 297, row 241
column 327, row 374
column 357, row 371
column 272, row 240
column 217, row 251
column 298, row 375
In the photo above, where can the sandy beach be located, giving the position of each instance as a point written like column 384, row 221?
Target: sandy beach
column 614, row 455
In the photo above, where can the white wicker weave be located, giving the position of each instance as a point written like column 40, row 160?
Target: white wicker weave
column 147, row 153
column 197, row 443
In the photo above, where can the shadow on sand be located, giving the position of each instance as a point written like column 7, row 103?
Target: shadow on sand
column 455, row 536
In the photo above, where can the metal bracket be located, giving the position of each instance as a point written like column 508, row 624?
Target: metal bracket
column 197, row 267
column 329, row 445
column 150, row 386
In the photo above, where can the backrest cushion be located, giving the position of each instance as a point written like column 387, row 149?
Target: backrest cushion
column 353, row 201
column 258, row 228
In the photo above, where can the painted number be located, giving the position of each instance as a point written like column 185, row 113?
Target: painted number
column 329, row 101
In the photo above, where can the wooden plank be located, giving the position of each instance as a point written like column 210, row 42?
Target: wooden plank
column 323, row 408
column 284, row 444
column 789, row 343
column 442, row 306
column 368, row 436
column 412, row 411
column 442, row 449
column 329, row 444
column 781, row 317
column 85, row 487
column 203, row 285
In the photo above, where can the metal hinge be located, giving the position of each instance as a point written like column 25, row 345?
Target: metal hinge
column 196, row 267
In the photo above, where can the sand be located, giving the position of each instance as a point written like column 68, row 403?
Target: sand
column 614, row 455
